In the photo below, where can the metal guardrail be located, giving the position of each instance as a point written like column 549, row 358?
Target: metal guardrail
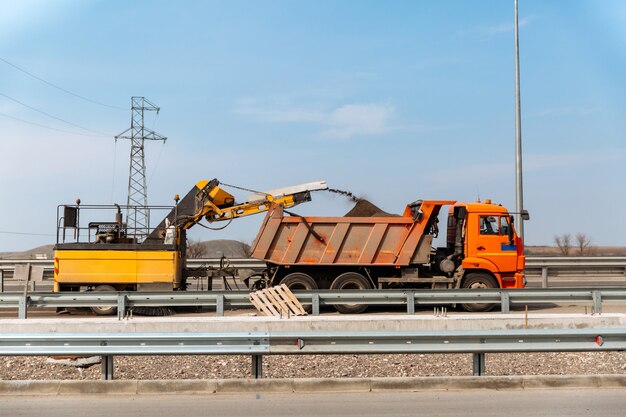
column 6, row 264
column 9, row 264
column 258, row 344
column 531, row 261
column 540, row 261
column 536, row 266
column 126, row 301
column 561, row 267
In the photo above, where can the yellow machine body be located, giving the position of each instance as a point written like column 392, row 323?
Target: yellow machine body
column 119, row 268
column 111, row 253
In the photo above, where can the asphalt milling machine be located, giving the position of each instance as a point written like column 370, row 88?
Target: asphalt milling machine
column 95, row 255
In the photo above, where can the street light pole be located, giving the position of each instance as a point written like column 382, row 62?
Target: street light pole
column 519, row 192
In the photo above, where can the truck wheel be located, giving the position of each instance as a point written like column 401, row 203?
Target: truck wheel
column 478, row 280
column 350, row 281
column 300, row 281
column 104, row 311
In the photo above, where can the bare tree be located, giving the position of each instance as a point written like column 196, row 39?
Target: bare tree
column 195, row 249
column 583, row 244
column 564, row 243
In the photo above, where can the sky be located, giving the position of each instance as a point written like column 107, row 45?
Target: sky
column 393, row 101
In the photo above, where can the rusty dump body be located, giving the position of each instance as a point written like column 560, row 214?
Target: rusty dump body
column 362, row 241
column 482, row 249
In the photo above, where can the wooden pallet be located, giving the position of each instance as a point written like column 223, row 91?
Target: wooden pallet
column 277, row 301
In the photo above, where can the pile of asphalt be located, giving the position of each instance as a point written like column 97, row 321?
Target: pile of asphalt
column 364, row 208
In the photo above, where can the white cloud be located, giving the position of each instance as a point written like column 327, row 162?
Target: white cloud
column 343, row 122
column 566, row 111
column 471, row 174
column 485, row 32
column 477, row 173
column 543, row 162
column 358, row 119
column 279, row 114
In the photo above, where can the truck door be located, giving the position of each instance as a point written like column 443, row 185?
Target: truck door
column 493, row 242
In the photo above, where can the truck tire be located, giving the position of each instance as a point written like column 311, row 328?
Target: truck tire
column 478, row 280
column 300, row 281
column 350, row 281
column 104, row 311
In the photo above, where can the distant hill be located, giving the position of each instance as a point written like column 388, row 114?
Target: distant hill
column 235, row 249
column 207, row 249
column 217, row 248
column 30, row 254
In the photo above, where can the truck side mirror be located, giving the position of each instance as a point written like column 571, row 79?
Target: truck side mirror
column 525, row 215
column 510, row 232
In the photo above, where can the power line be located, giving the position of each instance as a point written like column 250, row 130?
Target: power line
column 52, row 116
column 60, row 88
column 24, row 233
column 47, row 127
column 153, row 170
column 113, row 175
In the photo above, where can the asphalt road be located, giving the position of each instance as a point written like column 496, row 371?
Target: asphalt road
column 480, row 403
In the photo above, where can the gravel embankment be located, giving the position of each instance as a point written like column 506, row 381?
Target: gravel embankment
column 331, row 366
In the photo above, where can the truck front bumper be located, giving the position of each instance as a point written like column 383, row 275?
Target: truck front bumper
column 513, row 280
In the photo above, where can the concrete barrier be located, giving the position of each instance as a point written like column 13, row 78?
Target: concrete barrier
column 391, row 323
column 234, row 386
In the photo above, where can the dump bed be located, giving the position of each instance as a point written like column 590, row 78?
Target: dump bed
column 363, row 241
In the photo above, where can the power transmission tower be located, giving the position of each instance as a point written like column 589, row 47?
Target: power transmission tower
column 137, row 215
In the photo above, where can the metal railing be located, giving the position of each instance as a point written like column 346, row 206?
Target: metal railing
column 257, row 344
column 9, row 264
column 570, row 271
column 126, row 301
column 536, row 266
column 586, row 267
column 541, row 261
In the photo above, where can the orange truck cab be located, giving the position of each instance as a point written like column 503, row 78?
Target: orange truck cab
column 490, row 245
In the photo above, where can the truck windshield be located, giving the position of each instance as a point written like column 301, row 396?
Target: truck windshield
column 495, row 225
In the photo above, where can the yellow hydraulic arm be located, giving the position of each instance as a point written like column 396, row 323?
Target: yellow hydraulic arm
column 209, row 201
column 219, row 205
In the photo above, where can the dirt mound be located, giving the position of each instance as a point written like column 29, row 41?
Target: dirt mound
column 216, row 248
column 364, row 208
column 41, row 252
column 207, row 249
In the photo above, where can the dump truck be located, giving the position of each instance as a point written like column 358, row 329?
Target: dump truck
column 357, row 253
column 95, row 255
